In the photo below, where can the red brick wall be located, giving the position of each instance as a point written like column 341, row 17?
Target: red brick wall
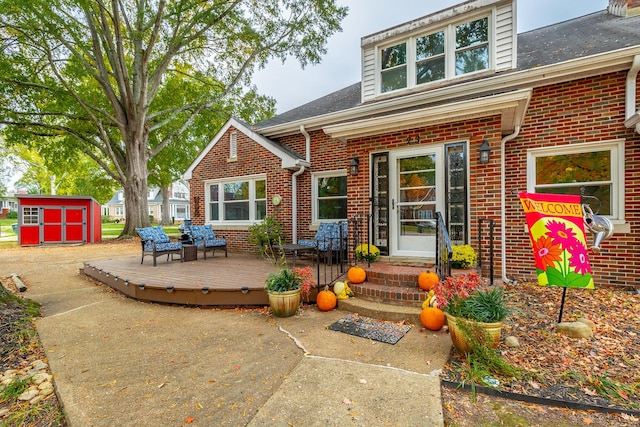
column 484, row 179
column 586, row 110
column 252, row 159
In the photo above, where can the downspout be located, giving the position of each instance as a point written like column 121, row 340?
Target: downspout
column 294, row 185
column 631, row 111
column 503, row 203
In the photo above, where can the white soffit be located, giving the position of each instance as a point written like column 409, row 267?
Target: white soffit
column 512, row 107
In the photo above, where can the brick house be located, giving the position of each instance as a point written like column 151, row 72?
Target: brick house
column 555, row 109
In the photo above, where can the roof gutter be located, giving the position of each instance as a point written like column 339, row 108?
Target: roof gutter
column 294, row 185
column 632, row 114
column 503, row 204
column 617, row 60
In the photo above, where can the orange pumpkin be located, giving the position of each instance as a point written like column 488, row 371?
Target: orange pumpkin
column 326, row 300
column 427, row 280
column 432, row 318
column 356, row 275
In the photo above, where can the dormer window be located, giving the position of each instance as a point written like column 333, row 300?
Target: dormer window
column 472, row 46
column 456, row 50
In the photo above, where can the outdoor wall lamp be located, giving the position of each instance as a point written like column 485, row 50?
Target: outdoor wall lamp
column 485, row 151
column 354, row 166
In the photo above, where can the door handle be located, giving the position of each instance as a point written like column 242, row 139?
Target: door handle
column 393, row 204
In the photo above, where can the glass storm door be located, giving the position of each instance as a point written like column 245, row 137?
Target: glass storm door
column 417, row 192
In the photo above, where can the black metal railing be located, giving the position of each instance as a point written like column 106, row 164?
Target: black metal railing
column 332, row 255
column 444, row 251
column 481, row 254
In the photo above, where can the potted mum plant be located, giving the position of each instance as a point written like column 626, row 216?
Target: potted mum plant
column 286, row 288
column 464, row 256
column 474, row 315
column 367, row 252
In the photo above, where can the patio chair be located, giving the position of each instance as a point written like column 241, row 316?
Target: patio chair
column 322, row 239
column 327, row 238
column 155, row 242
column 205, row 239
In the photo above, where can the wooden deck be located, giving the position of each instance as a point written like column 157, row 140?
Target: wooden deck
column 235, row 280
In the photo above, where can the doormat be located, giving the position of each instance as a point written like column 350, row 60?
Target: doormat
column 365, row 327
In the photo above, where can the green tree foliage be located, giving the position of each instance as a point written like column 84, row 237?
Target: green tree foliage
column 123, row 81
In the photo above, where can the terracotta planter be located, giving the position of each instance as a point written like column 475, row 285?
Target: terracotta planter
column 284, row 304
column 458, row 337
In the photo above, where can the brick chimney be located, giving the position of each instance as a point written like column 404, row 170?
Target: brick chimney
column 624, row 8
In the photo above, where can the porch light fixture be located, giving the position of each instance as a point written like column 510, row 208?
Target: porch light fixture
column 485, row 151
column 354, row 166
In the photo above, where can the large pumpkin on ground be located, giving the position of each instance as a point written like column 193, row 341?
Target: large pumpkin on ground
column 326, row 300
column 357, row 275
column 432, row 318
column 427, row 280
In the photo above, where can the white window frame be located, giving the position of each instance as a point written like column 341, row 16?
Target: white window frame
column 449, row 53
column 252, row 199
column 314, row 193
column 616, row 147
column 30, row 215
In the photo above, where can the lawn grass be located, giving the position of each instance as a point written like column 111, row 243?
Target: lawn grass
column 110, row 230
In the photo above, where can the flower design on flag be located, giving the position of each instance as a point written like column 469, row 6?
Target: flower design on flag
column 579, row 259
column 547, row 252
column 562, row 235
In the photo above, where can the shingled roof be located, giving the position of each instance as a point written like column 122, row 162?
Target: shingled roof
column 588, row 35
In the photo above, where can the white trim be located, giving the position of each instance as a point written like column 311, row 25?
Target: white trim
column 512, row 106
column 449, row 55
column 617, row 148
column 251, row 179
column 608, row 62
column 289, row 161
column 314, row 193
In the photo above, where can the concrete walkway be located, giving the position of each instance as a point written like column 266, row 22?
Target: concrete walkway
column 119, row 361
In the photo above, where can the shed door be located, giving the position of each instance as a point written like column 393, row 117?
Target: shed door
column 75, row 219
column 52, row 225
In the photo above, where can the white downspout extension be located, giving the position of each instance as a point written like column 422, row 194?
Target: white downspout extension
column 294, row 186
column 503, row 203
column 631, row 108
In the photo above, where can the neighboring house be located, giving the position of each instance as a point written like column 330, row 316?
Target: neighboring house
column 178, row 203
column 556, row 107
column 8, row 204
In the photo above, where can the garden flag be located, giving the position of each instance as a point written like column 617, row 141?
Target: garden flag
column 556, row 229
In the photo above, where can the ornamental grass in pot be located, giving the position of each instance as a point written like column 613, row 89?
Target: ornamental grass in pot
column 286, row 287
column 474, row 314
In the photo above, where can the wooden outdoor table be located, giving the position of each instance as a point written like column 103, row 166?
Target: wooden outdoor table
column 294, row 249
column 189, row 253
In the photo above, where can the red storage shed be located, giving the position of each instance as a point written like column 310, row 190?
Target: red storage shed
column 46, row 219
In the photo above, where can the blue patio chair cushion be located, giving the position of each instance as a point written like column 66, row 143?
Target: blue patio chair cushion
column 155, row 234
column 322, row 237
column 168, row 246
column 204, row 235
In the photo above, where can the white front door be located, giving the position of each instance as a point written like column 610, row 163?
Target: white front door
column 416, row 193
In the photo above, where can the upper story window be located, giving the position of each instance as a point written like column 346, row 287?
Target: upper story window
column 472, row 46
column 444, row 54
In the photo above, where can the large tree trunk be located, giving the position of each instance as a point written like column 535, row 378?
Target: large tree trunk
column 136, row 188
column 166, row 212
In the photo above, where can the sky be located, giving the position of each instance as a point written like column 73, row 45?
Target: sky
column 292, row 86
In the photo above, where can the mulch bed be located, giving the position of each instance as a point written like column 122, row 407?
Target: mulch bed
column 601, row 372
